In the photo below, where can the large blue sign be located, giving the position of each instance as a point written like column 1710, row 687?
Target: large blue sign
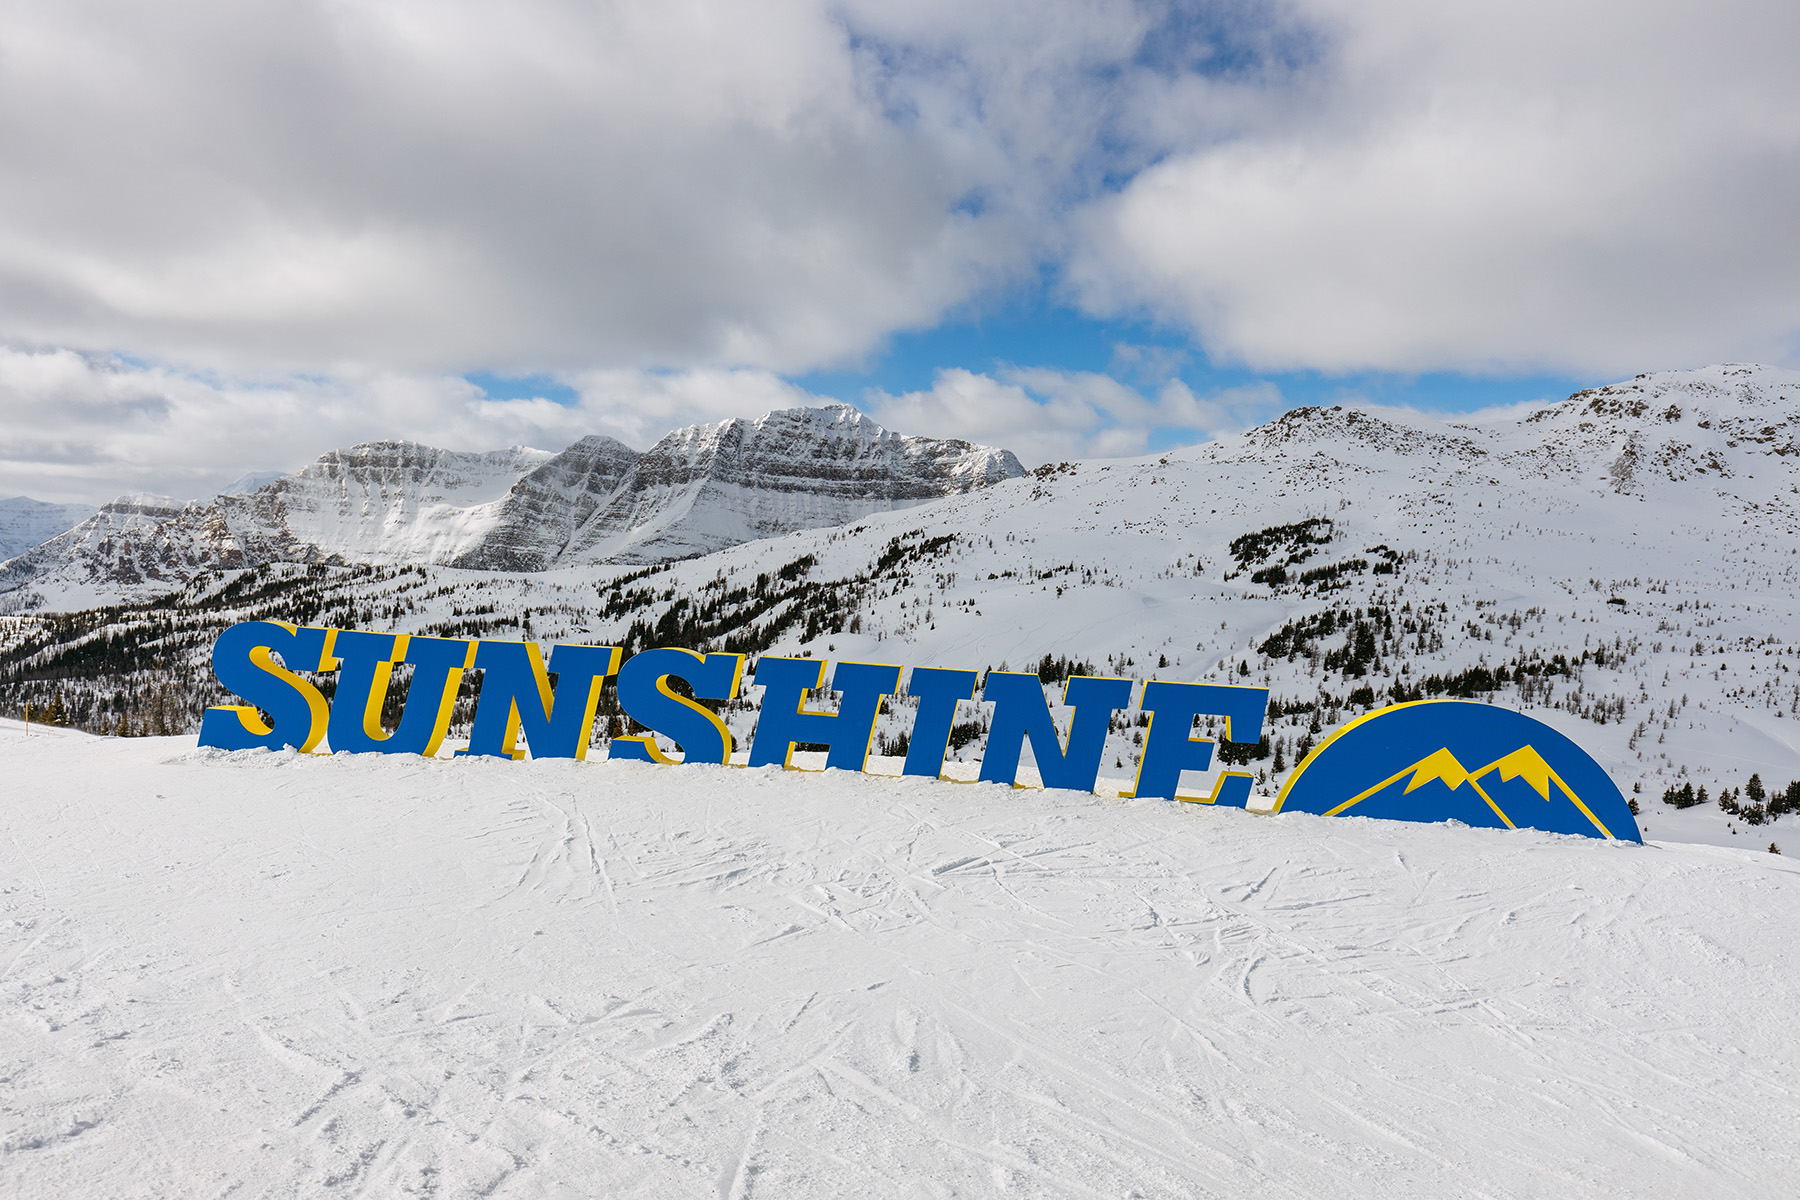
column 1416, row 762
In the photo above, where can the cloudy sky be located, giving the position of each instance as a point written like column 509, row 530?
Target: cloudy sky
column 234, row 235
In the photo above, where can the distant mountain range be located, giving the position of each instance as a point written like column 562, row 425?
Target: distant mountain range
column 697, row 490
column 25, row 522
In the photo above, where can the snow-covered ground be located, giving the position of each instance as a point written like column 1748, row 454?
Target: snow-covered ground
column 275, row 975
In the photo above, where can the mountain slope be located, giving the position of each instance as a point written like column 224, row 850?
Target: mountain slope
column 395, row 501
column 136, row 545
column 25, row 522
column 542, row 511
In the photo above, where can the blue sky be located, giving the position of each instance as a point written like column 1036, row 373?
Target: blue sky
column 1031, row 332
column 1028, row 334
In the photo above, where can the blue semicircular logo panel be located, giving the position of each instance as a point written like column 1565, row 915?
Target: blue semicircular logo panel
column 1434, row 760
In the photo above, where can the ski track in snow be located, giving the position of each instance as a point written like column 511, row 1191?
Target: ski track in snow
column 276, row 975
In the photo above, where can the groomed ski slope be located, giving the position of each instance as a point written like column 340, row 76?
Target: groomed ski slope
column 270, row 975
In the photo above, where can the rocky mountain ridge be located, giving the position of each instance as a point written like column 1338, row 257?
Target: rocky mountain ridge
column 697, row 490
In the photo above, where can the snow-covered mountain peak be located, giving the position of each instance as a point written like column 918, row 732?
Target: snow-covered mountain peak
column 395, row 501
column 1359, row 430
column 1663, row 428
column 1659, row 430
column 542, row 511
column 698, row 489
column 838, row 426
column 599, row 443
column 1727, row 396
column 706, row 487
column 472, row 477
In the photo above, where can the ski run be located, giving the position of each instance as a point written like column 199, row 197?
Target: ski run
column 271, row 975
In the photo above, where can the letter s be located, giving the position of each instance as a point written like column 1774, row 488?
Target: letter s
column 646, row 697
column 243, row 663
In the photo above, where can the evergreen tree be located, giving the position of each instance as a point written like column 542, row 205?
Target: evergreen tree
column 1680, row 797
column 1754, row 789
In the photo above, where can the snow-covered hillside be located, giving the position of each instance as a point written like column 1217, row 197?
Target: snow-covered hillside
column 25, row 522
column 698, row 489
column 1624, row 564
column 281, row 976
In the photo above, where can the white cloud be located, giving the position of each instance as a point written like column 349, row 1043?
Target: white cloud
column 88, row 428
column 638, row 407
column 1045, row 415
column 541, row 185
column 84, row 428
column 1596, row 187
column 667, row 203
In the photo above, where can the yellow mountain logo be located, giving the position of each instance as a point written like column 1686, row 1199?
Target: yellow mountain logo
column 1442, row 766
column 1439, row 765
column 1530, row 764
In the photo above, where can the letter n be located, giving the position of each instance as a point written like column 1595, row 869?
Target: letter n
column 516, row 697
column 1020, row 712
